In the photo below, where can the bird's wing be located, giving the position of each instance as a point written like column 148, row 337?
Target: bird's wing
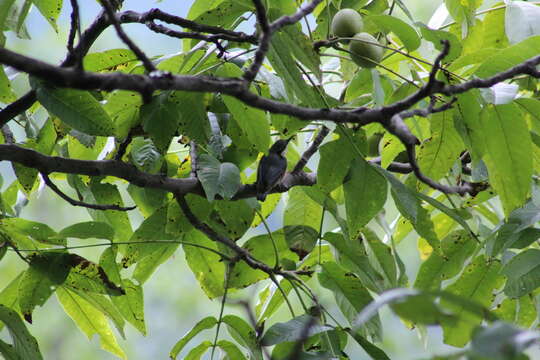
column 273, row 172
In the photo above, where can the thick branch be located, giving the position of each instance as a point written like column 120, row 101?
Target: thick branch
column 50, row 164
column 67, row 77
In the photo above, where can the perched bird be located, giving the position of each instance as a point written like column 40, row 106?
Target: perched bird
column 271, row 168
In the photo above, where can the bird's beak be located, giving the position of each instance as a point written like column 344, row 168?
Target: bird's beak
column 289, row 139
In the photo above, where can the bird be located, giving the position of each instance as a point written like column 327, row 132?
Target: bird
column 271, row 169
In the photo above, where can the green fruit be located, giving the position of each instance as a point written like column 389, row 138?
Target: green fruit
column 363, row 53
column 346, row 23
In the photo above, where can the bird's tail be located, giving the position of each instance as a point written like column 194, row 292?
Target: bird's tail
column 261, row 196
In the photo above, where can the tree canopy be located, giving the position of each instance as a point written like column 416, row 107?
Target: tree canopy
column 402, row 132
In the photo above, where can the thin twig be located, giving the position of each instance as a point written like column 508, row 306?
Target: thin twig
column 311, row 150
column 75, row 29
column 123, row 146
column 74, row 202
column 264, row 42
column 123, row 36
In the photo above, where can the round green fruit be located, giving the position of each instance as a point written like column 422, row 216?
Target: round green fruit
column 363, row 53
column 346, row 23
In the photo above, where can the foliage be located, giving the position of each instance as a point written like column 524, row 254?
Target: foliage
column 439, row 142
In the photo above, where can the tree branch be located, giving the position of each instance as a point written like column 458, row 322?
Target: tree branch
column 242, row 253
column 264, row 41
column 50, row 164
column 292, row 19
column 123, row 36
column 311, row 150
column 74, row 202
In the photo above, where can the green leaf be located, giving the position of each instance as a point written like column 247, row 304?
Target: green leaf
column 477, row 283
column 159, row 119
column 301, row 239
column 302, row 48
column 131, row 305
column 50, row 9
column 523, row 273
column 217, row 12
column 9, row 296
column 467, row 122
column 77, row 108
column 85, row 151
column 24, row 345
column 456, row 248
column 351, row 296
column 335, row 159
column 261, row 248
column 146, row 267
column 516, row 231
column 403, row 31
column 502, row 341
column 436, row 36
column 108, row 59
column 123, row 108
column 302, row 210
column 494, row 34
column 203, row 324
column 508, row 57
column 217, row 178
column 365, row 195
column 253, row 122
column 205, row 265
column 353, row 256
column 46, row 272
column 177, row 222
column 293, row 330
column 381, row 257
column 5, row 7
column 508, row 154
column 147, row 200
column 521, row 21
column 438, row 153
column 90, row 320
column 193, row 120
column 271, row 299
column 88, row 230
column 35, row 230
column 146, row 156
column 243, row 334
column 44, row 143
column 88, row 276
column 104, row 305
column 408, row 204
column 6, row 93
column 421, row 309
column 142, row 242
column 284, row 65
column 198, row 351
column 107, row 194
column 373, row 351
column 463, row 11
column 230, row 350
